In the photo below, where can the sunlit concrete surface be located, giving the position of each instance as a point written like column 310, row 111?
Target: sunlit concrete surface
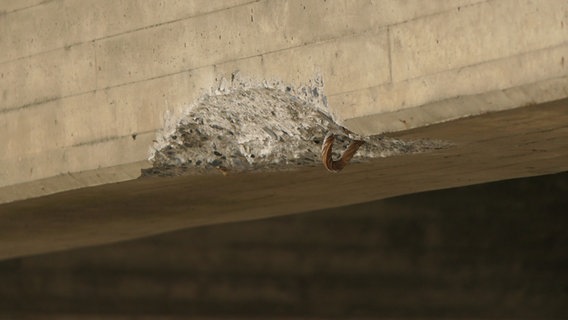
column 80, row 78
column 86, row 87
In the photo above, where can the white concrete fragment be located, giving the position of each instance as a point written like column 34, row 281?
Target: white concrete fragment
column 250, row 125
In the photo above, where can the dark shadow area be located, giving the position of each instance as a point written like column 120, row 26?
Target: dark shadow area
column 497, row 250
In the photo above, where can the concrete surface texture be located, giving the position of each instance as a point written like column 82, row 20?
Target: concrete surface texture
column 480, row 252
column 80, row 79
column 504, row 145
column 284, row 130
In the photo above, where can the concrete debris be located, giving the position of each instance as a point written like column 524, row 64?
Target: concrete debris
column 249, row 126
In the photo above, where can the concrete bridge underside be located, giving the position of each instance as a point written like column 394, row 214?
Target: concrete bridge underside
column 86, row 87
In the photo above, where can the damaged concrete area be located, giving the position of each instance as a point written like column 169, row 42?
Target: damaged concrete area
column 245, row 125
column 504, row 145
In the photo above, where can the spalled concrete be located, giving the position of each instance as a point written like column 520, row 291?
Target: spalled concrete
column 249, row 126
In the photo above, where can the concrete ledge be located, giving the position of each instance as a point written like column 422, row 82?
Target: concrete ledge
column 71, row 181
column 503, row 145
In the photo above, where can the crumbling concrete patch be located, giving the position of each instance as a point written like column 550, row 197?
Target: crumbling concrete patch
column 245, row 125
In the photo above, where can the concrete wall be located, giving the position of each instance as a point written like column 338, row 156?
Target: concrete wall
column 498, row 146
column 84, row 84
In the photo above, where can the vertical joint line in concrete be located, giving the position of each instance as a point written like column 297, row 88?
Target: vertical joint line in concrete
column 389, row 48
